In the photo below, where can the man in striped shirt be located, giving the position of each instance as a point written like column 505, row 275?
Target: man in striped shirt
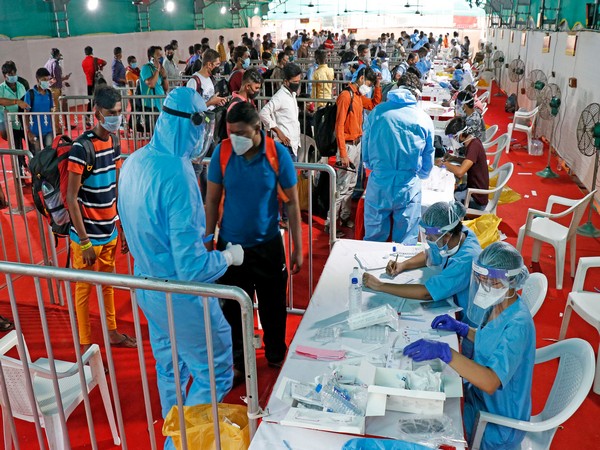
column 92, row 206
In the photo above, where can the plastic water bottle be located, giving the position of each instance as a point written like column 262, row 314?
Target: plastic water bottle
column 355, row 297
column 54, row 204
column 333, row 401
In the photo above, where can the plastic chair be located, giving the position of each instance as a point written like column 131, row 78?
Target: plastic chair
column 542, row 227
column 306, row 142
column 489, row 134
column 488, row 77
column 523, row 121
column 504, row 173
column 534, row 292
column 45, row 401
column 586, row 304
column 485, row 98
column 570, row 388
column 500, row 142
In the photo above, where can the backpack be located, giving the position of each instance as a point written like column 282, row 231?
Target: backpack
column 325, row 118
column 511, row 104
column 49, row 178
column 385, row 90
column 268, row 86
column 98, row 76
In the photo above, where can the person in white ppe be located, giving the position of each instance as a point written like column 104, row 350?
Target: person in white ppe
column 452, row 247
column 499, row 375
column 163, row 218
column 398, row 149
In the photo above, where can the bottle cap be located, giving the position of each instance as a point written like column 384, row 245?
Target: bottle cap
column 319, row 387
column 354, row 280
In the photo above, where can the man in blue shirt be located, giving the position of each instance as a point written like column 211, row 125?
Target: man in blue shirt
column 153, row 78
column 118, row 69
column 39, row 98
column 249, row 174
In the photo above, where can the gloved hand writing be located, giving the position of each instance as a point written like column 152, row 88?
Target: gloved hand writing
column 424, row 350
column 449, row 323
column 234, row 254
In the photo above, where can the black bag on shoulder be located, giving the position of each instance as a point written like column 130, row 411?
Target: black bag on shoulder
column 325, row 119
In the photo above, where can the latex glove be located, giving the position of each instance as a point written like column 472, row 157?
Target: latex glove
column 424, row 350
column 234, row 254
column 449, row 323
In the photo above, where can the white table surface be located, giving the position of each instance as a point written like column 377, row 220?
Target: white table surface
column 438, row 187
column 436, row 111
column 329, row 305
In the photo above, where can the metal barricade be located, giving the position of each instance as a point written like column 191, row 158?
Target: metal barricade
column 66, row 276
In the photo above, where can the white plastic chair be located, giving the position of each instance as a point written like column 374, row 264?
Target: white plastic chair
column 570, row 388
column 523, row 121
column 485, row 98
column 504, row 173
column 586, row 304
column 542, row 227
column 46, row 404
column 489, row 134
column 500, row 142
column 488, row 77
column 534, row 292
column 303, row 152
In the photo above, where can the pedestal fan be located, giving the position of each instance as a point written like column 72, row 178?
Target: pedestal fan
column 588, row 142
column 516, row 72
column 549, row 103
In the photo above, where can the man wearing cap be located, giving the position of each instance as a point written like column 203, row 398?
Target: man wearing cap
column 398, row 149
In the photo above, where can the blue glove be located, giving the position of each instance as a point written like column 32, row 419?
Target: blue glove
column 424, row 350
column 449, row 323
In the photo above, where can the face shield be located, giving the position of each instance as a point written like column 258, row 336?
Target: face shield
column 435, row 237
column 489, row 287
column 203, row 130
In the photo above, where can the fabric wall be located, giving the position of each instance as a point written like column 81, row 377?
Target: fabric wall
column 582, row 66
column 35, row 18
column 29, row 55
column 571, row 10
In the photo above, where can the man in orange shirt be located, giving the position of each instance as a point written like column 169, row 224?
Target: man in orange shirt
column 348, row 130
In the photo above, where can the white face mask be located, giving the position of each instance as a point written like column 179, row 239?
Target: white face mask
column 241, row 144
column 365, row 90
column 487, row 297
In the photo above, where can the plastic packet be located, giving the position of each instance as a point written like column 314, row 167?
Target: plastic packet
column 328, row 334
column 429, row 430
column 376, row 334
column 384, row 315
column 425, row 379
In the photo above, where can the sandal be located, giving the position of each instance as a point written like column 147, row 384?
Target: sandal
column 126, row 342
column 6, row 324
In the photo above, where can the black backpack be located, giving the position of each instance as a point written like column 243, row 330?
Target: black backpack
column 511, row 104
column 325, row 127
column 49, row 179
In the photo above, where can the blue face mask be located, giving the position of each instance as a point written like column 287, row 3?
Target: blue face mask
column 134, row 65
column 246, row 63
column 12, row 78
column 111, row 123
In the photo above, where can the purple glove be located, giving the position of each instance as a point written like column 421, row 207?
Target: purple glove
column 424, row 350
column 449, row 323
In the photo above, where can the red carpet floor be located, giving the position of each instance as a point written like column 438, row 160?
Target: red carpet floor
column 580, row 432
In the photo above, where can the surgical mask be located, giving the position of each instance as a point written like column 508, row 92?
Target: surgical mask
column 111, row 123
column 365, row 90
column 134, row 65
column 446, row 252
column 12, row 78
column 45, row 84
column 293, row 87
column 246, row 63
column 241, row 144
column 486, row 297
column 460, row 111
column 292, row 58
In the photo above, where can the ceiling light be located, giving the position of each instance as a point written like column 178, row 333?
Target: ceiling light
column 407, row 5
column 256, row 10
column 170, row 6
column 223, row 9
column 92, row 5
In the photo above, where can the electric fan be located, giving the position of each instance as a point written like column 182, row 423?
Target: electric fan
column 549, row 104
column 588, row 142
column 488, row 50
column 516, row 72
column 534, row 84
column 498, row 63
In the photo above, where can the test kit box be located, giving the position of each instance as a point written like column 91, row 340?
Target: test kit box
column 384, row 393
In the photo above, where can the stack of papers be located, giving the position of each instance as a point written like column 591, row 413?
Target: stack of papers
column 320, row 354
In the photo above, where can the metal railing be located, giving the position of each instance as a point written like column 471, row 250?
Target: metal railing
column 169, row 287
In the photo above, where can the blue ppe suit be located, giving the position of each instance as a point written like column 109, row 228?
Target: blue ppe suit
column 163, row 218
column 398, row 148
column 506, row 345
column 455, row 278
